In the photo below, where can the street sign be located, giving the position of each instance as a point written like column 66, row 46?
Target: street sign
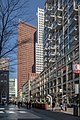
column 76, row 68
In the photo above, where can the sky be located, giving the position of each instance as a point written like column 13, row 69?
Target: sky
column 31, row 18
column 34, row 4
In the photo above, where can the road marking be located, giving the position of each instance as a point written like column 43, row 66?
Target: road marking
column 2, row 108
column 7, row 111
column 11, row 108
column 1, row 111
column 12, row 111
column 22, row 112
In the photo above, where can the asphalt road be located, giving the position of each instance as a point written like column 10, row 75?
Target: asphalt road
column 12, row 112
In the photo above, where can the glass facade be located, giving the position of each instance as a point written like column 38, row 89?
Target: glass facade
column 61, row 50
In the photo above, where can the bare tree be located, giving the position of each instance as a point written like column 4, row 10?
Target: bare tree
column 10, row 13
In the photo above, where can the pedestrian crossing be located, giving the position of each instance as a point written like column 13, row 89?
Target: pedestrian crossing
column 12, row 111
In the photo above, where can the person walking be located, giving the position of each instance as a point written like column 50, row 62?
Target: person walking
column 53, row 105
column 18, row 104
column 61, row 105
column 21, row 103
column 29, row 104
column 65, row 106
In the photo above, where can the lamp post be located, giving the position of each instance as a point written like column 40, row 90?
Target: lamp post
column 79, row 53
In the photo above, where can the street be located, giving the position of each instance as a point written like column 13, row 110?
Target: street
column 12, row 112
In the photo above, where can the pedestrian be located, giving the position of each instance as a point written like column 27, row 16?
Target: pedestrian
column 65, row 106
column 21, row 103
column 15, row 103
column 53, row 105
column 61, row 105
column 18, row 104
column 29, row 104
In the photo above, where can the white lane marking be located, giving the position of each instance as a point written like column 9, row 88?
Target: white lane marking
column 1, row 111
column 2, row 108
column 22, row 112
column 7, row 111
column 11, row 108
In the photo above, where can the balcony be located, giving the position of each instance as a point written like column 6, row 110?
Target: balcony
column 58, row 26
column 59, row 10
column 59, row 17
column 52, row 42
column 75, row 40
column 52, row 54
column 74, row 12
column 49, row 27
column 52, row 29
column 48, row 39
column 75, row 30
column 52, row 16
column 46, row 20
column 74, row 21
column 53, row 37
column 52, row 60
column 52, row 48
column 50, row 8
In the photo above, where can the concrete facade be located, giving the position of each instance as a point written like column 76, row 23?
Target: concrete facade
column 26, row 89
column 12, row 89
column 39, row 41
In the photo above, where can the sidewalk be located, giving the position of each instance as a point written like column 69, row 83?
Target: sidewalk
column 68, row 111
column 54, row 115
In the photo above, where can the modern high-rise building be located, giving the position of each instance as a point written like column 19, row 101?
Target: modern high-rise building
column 49, row 33
column 61, row 52
column 39, row 41
column 62, row 47
column 25, row 52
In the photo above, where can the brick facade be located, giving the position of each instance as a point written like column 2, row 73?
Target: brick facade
column 25, row 52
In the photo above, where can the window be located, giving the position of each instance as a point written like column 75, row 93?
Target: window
column 66, row 49
column 64, row 78
column 70, row 76
column 70, row 67
column 76, row 75
column 66, row 41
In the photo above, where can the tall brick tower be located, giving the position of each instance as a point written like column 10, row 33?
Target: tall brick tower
column 25, row 52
